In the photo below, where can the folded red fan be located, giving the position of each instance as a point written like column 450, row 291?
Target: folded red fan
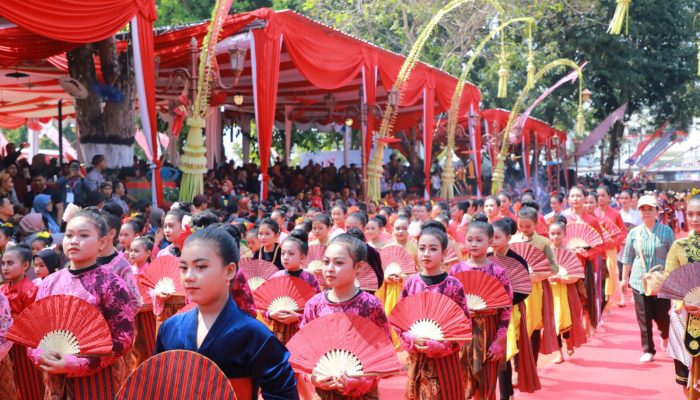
column 285, row 293
column 397, row 260
column 518, row 275
column 535, row 257
column 342, row 344
column 177, row 375
column 483, row 291
column 432, row 316
column 64, row 324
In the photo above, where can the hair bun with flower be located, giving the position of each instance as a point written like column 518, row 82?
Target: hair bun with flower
column 43, row 235
column 7, row 225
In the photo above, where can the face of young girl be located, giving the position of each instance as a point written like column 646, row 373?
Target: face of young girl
column 526, row 226
column 505, row 203
column 172, row 228
column 490, row 208
column 556, row 205
column 126, row 236
column 320, row 231
column 430, row 253
column 625, row 200
column 40, row 268
column 576, row 198
column 203, row 273
column 372, row 230
column 37, row 246
column 693, row 215
column 252, row 242
column 266, row 236
column 338, row 267
column 478, row 242
column 13, row 268
column 556, row 235
column 338, row 217
column 351, row 222
column 590, row 204
column 401, row 230
column 138, row 254
column 500, row 240
column 291, row 256
column 82, row 243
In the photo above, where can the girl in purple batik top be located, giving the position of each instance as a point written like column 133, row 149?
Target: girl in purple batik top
column 433, row 367
column 85, row 238
column 483, row 357
column 341, row 261
column 294, row 248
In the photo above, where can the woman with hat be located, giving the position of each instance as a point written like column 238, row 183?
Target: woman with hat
column 646, row 247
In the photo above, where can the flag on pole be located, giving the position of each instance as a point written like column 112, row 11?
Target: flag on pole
column 599, row 132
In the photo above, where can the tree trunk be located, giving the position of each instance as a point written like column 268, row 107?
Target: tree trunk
column 106, row 127
column 614, row 148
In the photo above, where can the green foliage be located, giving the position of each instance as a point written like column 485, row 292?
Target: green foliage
column 177, row 12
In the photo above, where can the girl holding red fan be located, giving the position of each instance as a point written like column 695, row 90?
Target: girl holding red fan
column 84, row 240
column 172, row 228
column 139, row 254
column 339, row 214
column 432, row 365
column 242, row 347
column 568, row 311
column 342, row 259
column 400, row 232
column 482, row 358
column 320, row 228
column 20, row 293
column 294, row 249
column 268, row 233
column 540, row 315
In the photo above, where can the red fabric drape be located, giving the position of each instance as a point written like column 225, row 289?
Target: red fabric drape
column 428, row 129
column 266, row 73
column 18, row 45
column 9, row 122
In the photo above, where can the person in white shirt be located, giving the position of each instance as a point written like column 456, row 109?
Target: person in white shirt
column 630, row 216
column 420, row 215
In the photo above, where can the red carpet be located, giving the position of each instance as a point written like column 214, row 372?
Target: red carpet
column 607, row 367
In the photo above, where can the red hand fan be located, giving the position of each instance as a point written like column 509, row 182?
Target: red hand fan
column 483, row 291
column 285, row 293
column 145, row 295
column 366, row 278
column 258, row 271
column 177, row 375
column 64, row 324
column 163, row 276
column 342, row 344
column 683, row 283
column 569, row 264
column 451, row 256
column 397, row 260
column 315, row 253
column 582, row 235
column 613, row 232
column 535, row 257
column 541, row 228
column 432, row 316
column 518, row 275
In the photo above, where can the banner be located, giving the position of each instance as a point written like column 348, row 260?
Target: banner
column 657, row 149
column 599, row 132
column 644, row 143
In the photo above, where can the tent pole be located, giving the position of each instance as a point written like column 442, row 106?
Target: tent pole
column 60, row 133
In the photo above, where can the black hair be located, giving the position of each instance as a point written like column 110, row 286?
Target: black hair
column 360, row 216
column 226, row 246
column 7, row 229
column 433, row 224
column 356, row 247
column 178, row 213
column 24, row 251
column 325, row 219
column 494, row 198
column 357, row 233
column 560, row 220
column 113, row 208
column 378, row 220
column 531, row 204
column 145, row 240
column 443, row 218
column 604, row 188
column 481, row 217
column 407, row 211
column 506, row 225
column 478, row 203
column 594, row 194
column 305, row 225
column 483, row 226
column 443, row 205
column 113, row 221
column 403, row 218
column 341, row 206
column 506, row 194
column 46, row 238
column 252, row 232
column 204, row 218
column 185, row 206
column 381, row 218
column 50, row 258
column 199, row 200
column 558, row 196
column 135, row 224
column 628, row 191
column 434, row 231
column 462, row 205
column 97, row 158
column 583, row 191
column 272, row 224
column 528, row 213
column 300, row 238
column 93, row 215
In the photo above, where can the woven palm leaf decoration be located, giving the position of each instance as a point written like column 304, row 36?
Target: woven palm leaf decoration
column 193, row 162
